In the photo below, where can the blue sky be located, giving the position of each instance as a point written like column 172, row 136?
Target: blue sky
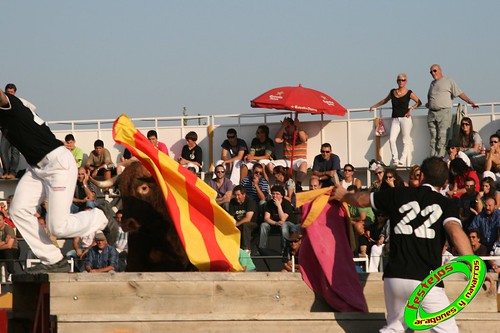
column 98, row 59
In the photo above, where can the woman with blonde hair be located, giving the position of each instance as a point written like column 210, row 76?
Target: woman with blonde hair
column 401, row 120
column 414, row 176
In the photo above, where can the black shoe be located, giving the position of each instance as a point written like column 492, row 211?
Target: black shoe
column 61, row 266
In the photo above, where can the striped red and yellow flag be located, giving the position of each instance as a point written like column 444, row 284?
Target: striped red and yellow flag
column 206, row 230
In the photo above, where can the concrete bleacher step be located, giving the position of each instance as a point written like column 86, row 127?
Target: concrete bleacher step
column 203, row 302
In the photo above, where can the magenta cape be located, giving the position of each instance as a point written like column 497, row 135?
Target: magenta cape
column 326, row 258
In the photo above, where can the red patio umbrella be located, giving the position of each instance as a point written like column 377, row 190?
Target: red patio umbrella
column 299, row 99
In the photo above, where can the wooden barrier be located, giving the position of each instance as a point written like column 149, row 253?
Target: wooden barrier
column 205, row 302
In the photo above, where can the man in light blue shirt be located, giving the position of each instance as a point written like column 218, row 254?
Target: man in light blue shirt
column 488, row 222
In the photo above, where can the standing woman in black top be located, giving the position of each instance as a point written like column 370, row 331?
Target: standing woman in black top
column 401, row 120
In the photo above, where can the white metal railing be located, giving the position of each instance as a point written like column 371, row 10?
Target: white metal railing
column 352, row 136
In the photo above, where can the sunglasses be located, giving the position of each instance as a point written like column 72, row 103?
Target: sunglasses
column 219, row 171
column 401, row 80
column 231, row 136
column 257, row 172
column 325, row 151
column 465, row 124
column 295, row 241
column 493, row 142
column 348, row 170
column 390, row 177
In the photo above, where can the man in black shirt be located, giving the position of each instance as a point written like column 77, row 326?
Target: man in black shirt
column 278, row 214
column 420, row 218
column 245, row 212
column 51, row 176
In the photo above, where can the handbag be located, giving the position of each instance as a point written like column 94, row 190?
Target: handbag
column 379, row 127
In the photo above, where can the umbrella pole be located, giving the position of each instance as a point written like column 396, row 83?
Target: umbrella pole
column 210, row 130
column 377, row 141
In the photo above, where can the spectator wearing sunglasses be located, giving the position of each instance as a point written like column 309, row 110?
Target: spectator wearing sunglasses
column 470, row 140
column 379, row 173
column 440, row 97
column 233, row 151
column 492, row 164
column 223, row 186
column 349, row 178
column 326, row 165
column 256, row 186
column 401, row 120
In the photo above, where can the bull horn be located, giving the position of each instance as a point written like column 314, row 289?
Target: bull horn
column 105, row 183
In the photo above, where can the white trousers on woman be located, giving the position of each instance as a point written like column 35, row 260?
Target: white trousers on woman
column 403, row 125
column 54, row 180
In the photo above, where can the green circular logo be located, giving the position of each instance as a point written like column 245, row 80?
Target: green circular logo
column 471, row 266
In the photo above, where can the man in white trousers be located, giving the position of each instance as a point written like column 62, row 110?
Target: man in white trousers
column 51, row 176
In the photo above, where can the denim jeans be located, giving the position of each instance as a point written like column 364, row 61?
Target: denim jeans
column 286, row 229
column 439, row 123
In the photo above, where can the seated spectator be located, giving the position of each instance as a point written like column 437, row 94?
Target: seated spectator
column 326, row 165
column 487, row 189
column 121, row 244
column 470, row 140
column 233, row 152
column 376, row 238
column 361, row 219
column 414, row 176
column 261, row 151
column 278, row 214
column 467, row 203
column 294, row 140
column 85, row 192
column 99, row 162
column 223, row 186
column 101, row 257
column 453, row 151
column 379, row 173
column 245, row 212
column 81, row 246
column 125, row 159
column 283, row 179
column 77, row 152
column 492, row 164
column 314, row 183
column 461, row 172
column 475, row 241
column 192, row 155
column 291, row 253
column 391, row 179
column 349, row 178
column 487, row 222
column 9, row 248
column 4, row 208
column 495, row 251
column 256, row 186
column 153, row 138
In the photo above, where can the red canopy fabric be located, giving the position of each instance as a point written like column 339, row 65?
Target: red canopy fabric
column 299, row 99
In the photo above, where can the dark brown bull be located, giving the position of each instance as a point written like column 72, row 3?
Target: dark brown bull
column 153, row 242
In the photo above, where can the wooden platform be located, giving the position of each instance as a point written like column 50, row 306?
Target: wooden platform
column 204, row 302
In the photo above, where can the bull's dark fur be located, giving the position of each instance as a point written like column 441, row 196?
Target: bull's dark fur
column 153, row 242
